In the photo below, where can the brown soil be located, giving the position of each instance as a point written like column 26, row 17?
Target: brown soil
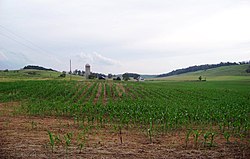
column 85, row 90
column 111, row 90
column 120, row 89
column 137, row 94
column 104, row 101
column 87, row 98
column 98, row 94
column 27, row 137
column 80, row 86
column 130, row 92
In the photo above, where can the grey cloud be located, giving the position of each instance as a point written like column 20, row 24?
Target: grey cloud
column 128, row 31
column 95, row 58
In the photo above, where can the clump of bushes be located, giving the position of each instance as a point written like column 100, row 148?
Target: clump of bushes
column 32, row 73
column 63, row 75
column 248, row 70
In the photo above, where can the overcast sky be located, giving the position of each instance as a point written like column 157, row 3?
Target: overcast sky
column 117, row 36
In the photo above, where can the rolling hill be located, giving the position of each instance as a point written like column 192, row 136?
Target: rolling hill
column 235, row 72
column 33, row 74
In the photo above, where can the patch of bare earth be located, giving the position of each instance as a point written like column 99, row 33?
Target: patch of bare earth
column 112, row 91
column 85, row 90
column 120, row 89
column 130, row 92
column 104, row 100
column 87, row 98
column 27, row 137
column 137, row 92
column 79, row 88
column 98, row 94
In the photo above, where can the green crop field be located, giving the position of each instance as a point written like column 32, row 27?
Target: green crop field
column 204, row 114
column 168, row 105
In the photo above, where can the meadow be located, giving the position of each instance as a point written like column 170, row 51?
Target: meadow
column 225, row 73
column 32, row 74
column 202, row 115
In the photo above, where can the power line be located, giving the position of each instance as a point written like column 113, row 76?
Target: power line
column 27, row 41
column 7, row 33
column 17, row 41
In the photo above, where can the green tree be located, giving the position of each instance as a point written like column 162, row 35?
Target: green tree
column 125, row 77
column 248, row 70
column 63, row 74
column 110, row 75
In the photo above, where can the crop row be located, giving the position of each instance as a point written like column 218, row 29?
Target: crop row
column 162, row 106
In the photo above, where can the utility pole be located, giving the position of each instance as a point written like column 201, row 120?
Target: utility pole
column 70, row 69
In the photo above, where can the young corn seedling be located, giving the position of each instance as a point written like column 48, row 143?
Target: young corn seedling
column 52, row 141
column 115, row 127
column 226, row 136
column 206, row 136
column 196, row 137
column 221, row 126
column 150, row 130
column 80, row 146
column 80, row 142
column 212, row 139
column 67, row 138
column 58, row 140
column 187, row 137
column 120, row 133
column 33, row 125
column 81, row 124
column 150, row 135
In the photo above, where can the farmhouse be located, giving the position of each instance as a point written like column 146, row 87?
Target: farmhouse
column 140, row 79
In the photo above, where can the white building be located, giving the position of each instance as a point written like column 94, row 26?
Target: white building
column 140, row 79
column 87, row 71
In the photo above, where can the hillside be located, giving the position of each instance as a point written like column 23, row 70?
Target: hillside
column 198, row 68
column 32, row 74
column 38, row 68
column 235, row 72
column 148, row 76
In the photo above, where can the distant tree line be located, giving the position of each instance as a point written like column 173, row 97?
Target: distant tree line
column 77, row 72
column 96, row 75
column 38, row 68
column 201, row 67
column 126, row 76
column 248, row 70
column 244, row 62
column 82, row 73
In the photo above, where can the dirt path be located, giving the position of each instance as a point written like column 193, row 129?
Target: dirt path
column 130, row 92
column 112, row 91
column 91, row 94
column 98, row 94
column 80, row 87
column 89, row 84
column 104, row 100
column 120, row 89
column 137, row 92
column 27, row 137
